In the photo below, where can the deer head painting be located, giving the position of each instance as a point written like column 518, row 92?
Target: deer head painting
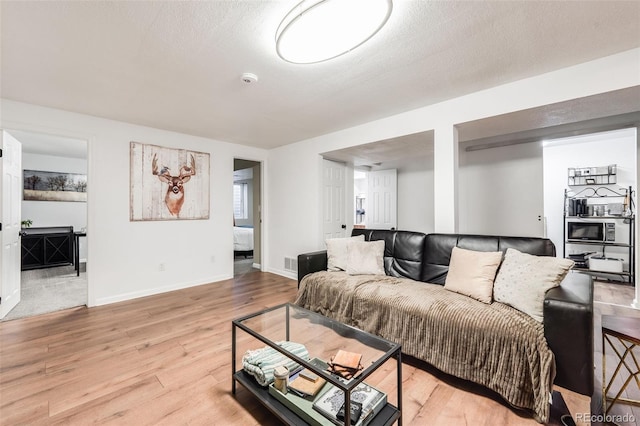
column 168, row 184
column 175, row 191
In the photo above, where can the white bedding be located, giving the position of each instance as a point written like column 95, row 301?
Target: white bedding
column 242, row 239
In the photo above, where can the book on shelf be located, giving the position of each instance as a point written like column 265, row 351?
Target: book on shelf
column 306, row 383
column 331, row 402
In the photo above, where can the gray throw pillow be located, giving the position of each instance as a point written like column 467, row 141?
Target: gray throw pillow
column 365, row 257
column 337, row 252
column 524, row 279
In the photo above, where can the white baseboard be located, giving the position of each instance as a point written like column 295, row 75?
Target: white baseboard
column 158, row 290
column 283, row 273
column 257, row 266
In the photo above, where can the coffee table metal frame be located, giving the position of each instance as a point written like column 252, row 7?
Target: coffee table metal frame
column 389, row 413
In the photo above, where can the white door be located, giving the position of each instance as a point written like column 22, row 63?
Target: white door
column 333, row 199
column 382, row 199
column 11, row 172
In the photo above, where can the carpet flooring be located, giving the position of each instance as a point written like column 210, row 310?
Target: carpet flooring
column 49, row 290
column 243, row 266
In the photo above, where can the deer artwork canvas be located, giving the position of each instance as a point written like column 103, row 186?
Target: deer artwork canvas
column 168, row 183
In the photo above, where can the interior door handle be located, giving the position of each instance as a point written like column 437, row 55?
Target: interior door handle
column 343, row 226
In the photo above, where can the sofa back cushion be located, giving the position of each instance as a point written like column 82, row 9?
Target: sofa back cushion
column 403, row 251
column 535, row 246
column 439, row 246
column 426, row 257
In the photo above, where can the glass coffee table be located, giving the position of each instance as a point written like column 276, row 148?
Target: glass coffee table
column 322, row 337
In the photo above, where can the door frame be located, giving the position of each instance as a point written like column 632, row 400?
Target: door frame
column 91, row 141
column 263, row 209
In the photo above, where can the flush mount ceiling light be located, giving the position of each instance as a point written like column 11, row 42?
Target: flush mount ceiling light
column 318, row 30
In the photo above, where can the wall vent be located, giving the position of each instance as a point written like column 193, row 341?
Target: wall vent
column 291, row 264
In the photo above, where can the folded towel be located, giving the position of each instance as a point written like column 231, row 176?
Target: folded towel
column 260, row 363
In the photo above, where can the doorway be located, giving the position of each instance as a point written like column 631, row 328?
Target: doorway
column 608, row 203
column 376, row 198
column 389, row 183
column 53, row 216
column 247, row 216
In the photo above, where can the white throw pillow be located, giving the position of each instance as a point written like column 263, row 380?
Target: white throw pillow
column 472, row 273
column 337, row 252
column 523, row 280
column 365, row 257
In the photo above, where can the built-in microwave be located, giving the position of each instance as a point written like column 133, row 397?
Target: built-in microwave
column 591, row 231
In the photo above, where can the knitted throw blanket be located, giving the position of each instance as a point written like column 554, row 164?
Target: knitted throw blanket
column 260, row 363
column 494, row 345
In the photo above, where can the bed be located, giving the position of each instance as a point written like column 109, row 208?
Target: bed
column 242, row 241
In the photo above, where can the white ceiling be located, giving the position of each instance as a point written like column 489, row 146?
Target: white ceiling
column 177, row 65
column 607, row 111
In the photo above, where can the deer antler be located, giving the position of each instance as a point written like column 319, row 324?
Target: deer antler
column 187, row 171
column 164, row 175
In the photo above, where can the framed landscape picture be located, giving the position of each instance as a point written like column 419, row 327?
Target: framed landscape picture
column 54, row 186
column 168, row 183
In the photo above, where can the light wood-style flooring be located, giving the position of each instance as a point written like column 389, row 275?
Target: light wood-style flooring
column 166, row 359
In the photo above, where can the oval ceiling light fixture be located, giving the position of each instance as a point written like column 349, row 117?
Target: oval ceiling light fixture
column 318, row 30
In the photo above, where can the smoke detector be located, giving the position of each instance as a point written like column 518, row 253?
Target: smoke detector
column 249, row 78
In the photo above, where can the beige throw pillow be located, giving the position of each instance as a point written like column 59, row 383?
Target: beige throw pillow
column 365, row 258
column 524, row 279
column 472, row 273
column 337, row 252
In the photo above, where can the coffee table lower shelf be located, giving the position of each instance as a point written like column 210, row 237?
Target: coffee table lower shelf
column 385, row 417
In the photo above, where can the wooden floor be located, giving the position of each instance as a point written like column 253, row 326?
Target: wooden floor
column 166, row 359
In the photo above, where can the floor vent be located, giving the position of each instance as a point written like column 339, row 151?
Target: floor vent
column 291, row 264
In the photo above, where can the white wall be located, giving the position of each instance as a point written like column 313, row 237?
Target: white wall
column 501, row 191
column 56, row 213
column 415, row 193
column 294, row 233
column 123, row 256
column 599, row 149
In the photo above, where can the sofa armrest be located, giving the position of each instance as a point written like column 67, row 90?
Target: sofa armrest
column 568, row 328
column 311, row 262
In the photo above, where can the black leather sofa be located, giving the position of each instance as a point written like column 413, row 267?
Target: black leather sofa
column 568, row 309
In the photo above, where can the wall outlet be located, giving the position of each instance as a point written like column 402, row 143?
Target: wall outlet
column 162, row 267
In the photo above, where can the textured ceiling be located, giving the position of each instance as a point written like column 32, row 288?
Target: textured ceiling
column 177, row 65
column 385, row 151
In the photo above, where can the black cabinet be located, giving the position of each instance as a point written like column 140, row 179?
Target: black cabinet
column 45, row 247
